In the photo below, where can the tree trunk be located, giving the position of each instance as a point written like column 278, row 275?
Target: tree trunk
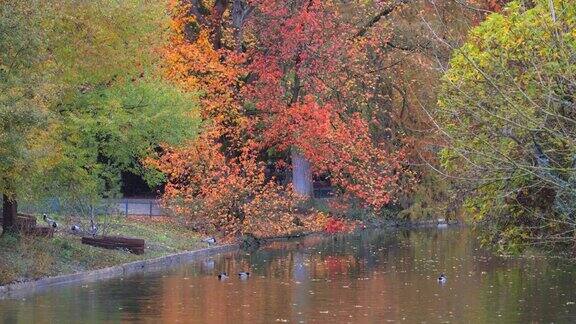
column 301, row 174
column 216, row 17
column 240, row 11
column 9, row 214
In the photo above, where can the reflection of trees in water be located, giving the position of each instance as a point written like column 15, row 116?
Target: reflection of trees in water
column 338, row 254
column 388, row 275
column 94, row 302
column 531, row 287
column 520, row 289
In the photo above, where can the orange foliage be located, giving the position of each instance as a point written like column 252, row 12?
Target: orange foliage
column 212, row 177
column 292, row 88
column 302, row 62
column 194, row 63
column 206, row 185
column 230, row 195
column 271, row 212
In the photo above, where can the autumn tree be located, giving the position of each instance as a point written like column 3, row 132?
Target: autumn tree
column 205, row 54
column 211, row 177
column 302, row 84
column 506, row 113
column 314, row 88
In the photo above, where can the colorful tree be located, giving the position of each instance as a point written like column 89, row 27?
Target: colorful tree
column 212, row 178
column 299, row 68
column 506, row 112
column 197, row 59
column 318, row 88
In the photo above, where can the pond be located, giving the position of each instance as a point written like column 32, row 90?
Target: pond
column 367, row 277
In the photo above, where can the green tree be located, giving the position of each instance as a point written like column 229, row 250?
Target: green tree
column 26, row 89
column 115, row 109
column 108, row 131
column 507, row 111
column 83, row 97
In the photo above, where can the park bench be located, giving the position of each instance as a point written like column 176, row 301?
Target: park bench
column 134, row 245
column 27, row 224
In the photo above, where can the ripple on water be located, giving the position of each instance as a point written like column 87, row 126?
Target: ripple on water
column 373, row 276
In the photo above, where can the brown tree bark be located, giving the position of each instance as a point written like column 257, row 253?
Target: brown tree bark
column 9, row 214
column 218, row 10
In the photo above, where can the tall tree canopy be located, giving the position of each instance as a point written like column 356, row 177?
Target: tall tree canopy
column 507, row 115
column 26, row 90
column 293, row 90
column 85, row 97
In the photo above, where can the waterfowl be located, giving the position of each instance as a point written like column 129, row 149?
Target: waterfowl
column 77, row 230
column 210, row 240
column 93, row 227
column 442, row 278
column 223, row 276
column 243, row 275
column 442, row 223
column 52, row 223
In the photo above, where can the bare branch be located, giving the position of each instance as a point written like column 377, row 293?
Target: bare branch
column 382, row 14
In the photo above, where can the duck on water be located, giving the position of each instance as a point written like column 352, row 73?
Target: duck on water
column 243, row 275
column 442, row 278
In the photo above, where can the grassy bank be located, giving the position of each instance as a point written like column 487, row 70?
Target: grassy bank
column 26, row 258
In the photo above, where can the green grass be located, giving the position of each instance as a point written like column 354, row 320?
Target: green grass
column 25, row 258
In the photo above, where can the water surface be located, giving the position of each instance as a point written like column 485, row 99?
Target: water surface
column 368, row 277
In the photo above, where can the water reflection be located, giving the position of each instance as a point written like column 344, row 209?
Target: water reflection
column 374, row 276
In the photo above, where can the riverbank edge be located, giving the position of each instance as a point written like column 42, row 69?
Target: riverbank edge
column 19, row 289
column 15, row 290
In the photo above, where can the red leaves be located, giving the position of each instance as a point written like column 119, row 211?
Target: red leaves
column 303, row 52
column 335, row 226
column 291, row 88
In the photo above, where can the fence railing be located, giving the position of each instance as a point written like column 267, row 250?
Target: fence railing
column 124, row 206
column 136, row 207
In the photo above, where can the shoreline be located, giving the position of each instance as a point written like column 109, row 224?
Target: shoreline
column 25, row 288
column 21, row 289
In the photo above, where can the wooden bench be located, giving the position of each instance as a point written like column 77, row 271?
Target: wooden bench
column 23, row 220
column 41, row 231
column 134, row 245
column 27, row 224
